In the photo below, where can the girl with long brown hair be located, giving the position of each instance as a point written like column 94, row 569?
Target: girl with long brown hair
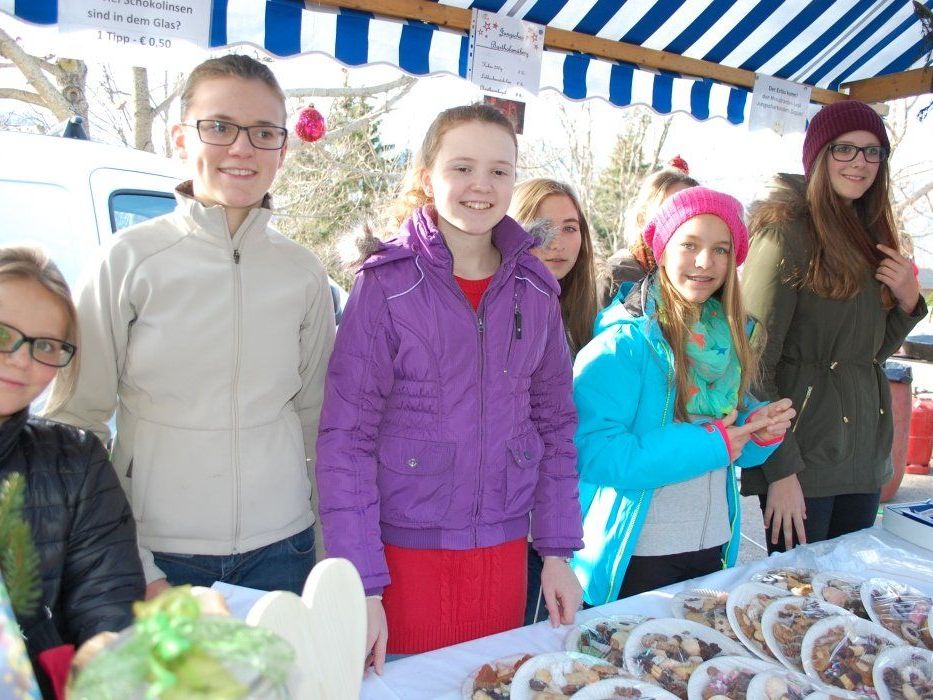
column 664, row 412
column 827, row 280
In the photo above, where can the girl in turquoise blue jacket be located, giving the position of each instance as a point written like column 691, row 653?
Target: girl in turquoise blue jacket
column 664, row 412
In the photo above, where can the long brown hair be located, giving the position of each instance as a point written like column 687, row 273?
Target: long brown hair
column 677, row 318
column 28, row 263
column 653, row 191
column 845, row 235
column 578, row 287
column 412, row 194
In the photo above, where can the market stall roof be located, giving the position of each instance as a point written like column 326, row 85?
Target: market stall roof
column 696, row 56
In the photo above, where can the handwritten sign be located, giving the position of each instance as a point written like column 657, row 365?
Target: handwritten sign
column 779, row 105
column 505, row 53
column 165, row 25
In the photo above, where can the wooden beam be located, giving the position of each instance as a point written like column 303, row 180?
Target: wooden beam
column 563, row 40
column 890, row 87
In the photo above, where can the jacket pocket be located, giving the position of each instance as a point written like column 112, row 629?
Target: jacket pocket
column 521, row 473
column 415, row 479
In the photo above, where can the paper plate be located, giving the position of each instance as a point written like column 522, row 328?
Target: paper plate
column 603, row 637
column 794, row 581
column 563, row 673
column 706, row 606
column 503, row 670
column 840, row 652
column 666, row 651
column 842, row 589
column 904, row 673
column 787, row 620
column 779, row 684
column 725, row 676
column 900, row 608
column 616, row 688
column 745, row 606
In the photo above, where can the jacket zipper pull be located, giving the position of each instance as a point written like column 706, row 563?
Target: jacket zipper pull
column 481, row 327
column 236, row 256
column 518, row 323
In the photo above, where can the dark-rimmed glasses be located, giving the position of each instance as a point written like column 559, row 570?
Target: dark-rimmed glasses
column 46, row 351
column 846, row 152
column 217, row 132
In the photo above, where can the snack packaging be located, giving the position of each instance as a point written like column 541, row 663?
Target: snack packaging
column 706, row 606
column 616, row 688
column 666, row 651
column 787, row 620
column 840, row 652
column 603, row 637
column 779, row 684
column 794, row 581
column 904, row 673
column 725, row 678
column 558, row 675
column 900, row 608
column 842, row 589
column 745, row 606
column 493, row 680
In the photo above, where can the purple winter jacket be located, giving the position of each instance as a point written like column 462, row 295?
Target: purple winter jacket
column 443, row 428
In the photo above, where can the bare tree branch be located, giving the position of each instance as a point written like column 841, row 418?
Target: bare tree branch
column 22, row 96
column 403, row 82
column 31, row 68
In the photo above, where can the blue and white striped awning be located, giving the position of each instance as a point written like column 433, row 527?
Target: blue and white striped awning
column 822, row 43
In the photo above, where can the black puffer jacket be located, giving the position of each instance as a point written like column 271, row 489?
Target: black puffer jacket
column 82, row 527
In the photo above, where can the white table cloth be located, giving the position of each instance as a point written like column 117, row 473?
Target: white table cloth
column 439, row 675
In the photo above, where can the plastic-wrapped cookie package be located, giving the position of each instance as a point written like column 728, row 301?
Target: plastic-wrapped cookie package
column 725, row 678
column 666, row 651
column 620, row 688
column 842, row 589
column 794, row 581
column 558, row 675
column 493, row 680
column 787, row 620
column 779, row 684
column 900, row 608
column 706, row 606
column 603, row 637
column 904, row 673
column 745, row 607
column 840, row 652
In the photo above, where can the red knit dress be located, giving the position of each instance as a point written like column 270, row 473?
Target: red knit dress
column 440, row 597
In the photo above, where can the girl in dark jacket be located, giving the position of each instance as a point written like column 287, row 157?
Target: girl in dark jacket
column 826, row 278
column 79, row 517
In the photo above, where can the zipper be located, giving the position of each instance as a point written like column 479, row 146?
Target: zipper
column 803, row 407
column 734, row 486
column 516, row 333
column 235, row 407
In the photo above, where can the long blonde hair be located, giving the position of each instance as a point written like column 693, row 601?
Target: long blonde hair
column 412, row 194
column 678, row 316
column 578, row 303
column 28, row 263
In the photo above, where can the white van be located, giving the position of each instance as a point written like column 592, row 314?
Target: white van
column 70, row 195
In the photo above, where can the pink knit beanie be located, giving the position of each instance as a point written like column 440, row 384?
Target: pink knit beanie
column 837, row 119
column 695, row 201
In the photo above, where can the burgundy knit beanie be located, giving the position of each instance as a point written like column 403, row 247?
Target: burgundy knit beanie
column 689, row 203
column 835, row 120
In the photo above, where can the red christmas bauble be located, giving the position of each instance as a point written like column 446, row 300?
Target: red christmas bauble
column 311, row 125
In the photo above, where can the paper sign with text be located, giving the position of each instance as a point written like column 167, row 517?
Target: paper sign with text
column 505, row 54
column 779, row 105
column 165, row 25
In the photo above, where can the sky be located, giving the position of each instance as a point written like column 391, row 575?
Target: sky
column 720, row 154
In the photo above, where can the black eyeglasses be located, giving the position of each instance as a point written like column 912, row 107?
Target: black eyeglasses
column 846, row 152
column 47, row 351
column 220, row 133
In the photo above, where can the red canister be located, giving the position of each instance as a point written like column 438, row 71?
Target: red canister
column 920, row 441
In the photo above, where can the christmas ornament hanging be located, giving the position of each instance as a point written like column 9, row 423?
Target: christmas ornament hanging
column 311, row 125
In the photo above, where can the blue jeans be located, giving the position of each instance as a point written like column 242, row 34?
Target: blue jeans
column 280, row 566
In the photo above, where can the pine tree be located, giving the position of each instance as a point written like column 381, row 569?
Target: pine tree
column 19, row 561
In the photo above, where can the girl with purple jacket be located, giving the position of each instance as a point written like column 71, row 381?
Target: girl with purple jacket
column 448, row 417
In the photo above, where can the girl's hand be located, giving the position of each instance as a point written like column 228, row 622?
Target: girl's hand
column 153, row 589
column 738, row 436
column 377, row 634
column 779, row 415
column 897, row 272
column 562, row 591
column 785, row 510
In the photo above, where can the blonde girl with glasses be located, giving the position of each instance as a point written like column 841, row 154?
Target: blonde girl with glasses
column 208, row 333
column 826, row 278
column 79, row 518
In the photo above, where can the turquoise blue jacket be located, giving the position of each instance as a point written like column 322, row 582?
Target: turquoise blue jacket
column 628, row 444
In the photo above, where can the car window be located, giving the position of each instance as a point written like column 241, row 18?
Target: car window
column 130, row 207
